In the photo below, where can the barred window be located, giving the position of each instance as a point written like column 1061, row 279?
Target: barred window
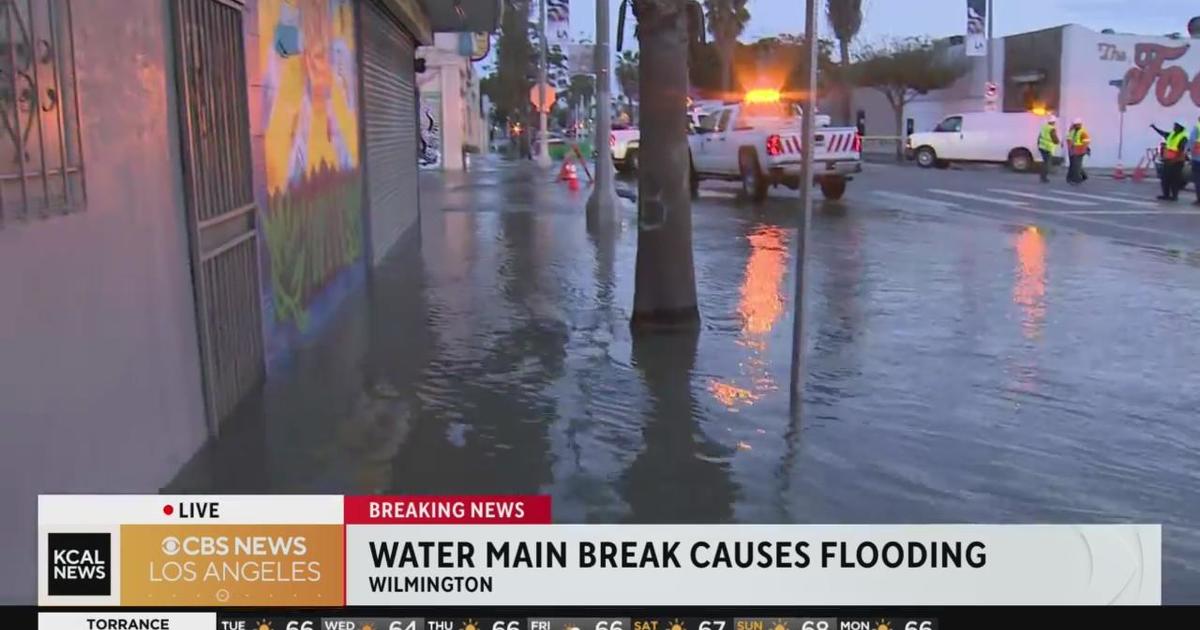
column 41, row 162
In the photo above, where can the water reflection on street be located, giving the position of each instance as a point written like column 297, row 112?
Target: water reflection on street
column 941, row 387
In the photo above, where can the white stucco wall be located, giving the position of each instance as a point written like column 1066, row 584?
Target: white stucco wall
column 453, row 78
column 99, row 371
column 1091, row 60
column 965, row 95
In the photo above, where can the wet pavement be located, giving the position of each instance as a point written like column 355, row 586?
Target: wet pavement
column 968, row 361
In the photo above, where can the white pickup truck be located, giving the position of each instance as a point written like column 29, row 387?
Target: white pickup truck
column 624, row 145
column 624, row 141
column 758, row 142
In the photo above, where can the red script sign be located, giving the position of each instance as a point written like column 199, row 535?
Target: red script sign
column 1170, row 84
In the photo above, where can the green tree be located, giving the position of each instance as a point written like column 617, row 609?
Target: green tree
column 627, row 73
column 903, row 69
column 514, row 51
column 581, row 91
column 846, row 18
column 726, row 21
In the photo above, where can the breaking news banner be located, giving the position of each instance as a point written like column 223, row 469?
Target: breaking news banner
column 333, row 551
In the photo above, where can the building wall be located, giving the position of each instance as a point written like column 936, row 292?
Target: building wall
column 450, row 93
column 305, row 125
column 100, row 385
column 1164, row 76
column 926, row 110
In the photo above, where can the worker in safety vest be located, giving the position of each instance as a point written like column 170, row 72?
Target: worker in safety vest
column 1048, row 143
column 1193, row 141
column 1079, row 144
column 1174, row 154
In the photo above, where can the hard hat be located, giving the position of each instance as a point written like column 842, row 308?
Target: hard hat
column 1077, row 121
column 1052, row 120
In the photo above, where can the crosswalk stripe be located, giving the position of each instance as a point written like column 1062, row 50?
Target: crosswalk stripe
column 1133, row 202
column 895, row 196
column 1065, row 202
column 1003, row 202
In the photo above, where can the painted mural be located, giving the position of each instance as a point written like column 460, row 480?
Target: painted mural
column 430, row 119
column 312, row 223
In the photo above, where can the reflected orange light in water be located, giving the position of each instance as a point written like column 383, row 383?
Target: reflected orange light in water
column 730, row 395
column 762, row 303
column 1029, row 292
column 760, row 307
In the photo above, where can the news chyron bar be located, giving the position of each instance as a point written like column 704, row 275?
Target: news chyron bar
column 201, row 559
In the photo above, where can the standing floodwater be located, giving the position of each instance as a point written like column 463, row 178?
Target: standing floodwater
column 963, row 367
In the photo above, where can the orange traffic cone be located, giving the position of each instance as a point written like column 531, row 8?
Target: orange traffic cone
column 571, row 176
column 1139, row 172
column 1119, row 172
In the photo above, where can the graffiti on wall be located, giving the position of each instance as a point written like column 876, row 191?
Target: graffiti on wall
column 312, row 223
column 429, row 121
column 431, row 131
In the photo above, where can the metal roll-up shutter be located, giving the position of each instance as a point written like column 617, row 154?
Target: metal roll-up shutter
column 390, row 131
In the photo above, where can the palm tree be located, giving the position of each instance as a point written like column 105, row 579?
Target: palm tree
column 628, row 63
column 665, row 279
column 845, row 17
column 726, row 21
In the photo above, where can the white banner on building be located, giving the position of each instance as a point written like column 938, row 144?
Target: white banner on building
column 558, row 22
column 977, row 37
column 752, row 565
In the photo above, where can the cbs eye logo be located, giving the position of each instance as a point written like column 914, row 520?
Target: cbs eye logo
column 171, row 546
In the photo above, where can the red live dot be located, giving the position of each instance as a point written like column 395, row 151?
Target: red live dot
column 167, row 509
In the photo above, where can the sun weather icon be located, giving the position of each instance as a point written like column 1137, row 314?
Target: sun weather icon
column 779, row 625
column 470, row 624
column 263, row 624
column 883, row 624
column 677, row 625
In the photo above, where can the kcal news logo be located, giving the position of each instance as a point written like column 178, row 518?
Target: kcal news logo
column 79, row 564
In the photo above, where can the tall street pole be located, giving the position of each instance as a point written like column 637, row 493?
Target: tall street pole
column 806, row 202
column 990, row 72
column 602, row 204
column 543, row 157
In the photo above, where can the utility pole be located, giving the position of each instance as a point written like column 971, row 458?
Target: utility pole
column 990, row 72
column 806, row 202
column 543, row 157
column 602, row 204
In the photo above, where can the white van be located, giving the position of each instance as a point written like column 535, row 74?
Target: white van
column 980, row 137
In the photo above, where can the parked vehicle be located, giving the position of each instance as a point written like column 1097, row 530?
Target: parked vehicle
column 1002, row 138
column 758, row 141
column 624, row 144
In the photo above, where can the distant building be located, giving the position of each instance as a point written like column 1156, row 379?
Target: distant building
column 1073, row 72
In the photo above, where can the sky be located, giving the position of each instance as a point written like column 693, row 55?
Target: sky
column 938, row 18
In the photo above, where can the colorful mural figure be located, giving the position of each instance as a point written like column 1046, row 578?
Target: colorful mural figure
column 312, row 223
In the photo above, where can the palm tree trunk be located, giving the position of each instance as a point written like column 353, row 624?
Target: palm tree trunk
column 665, row 280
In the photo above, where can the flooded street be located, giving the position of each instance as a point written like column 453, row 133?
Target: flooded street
column 962, row 367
